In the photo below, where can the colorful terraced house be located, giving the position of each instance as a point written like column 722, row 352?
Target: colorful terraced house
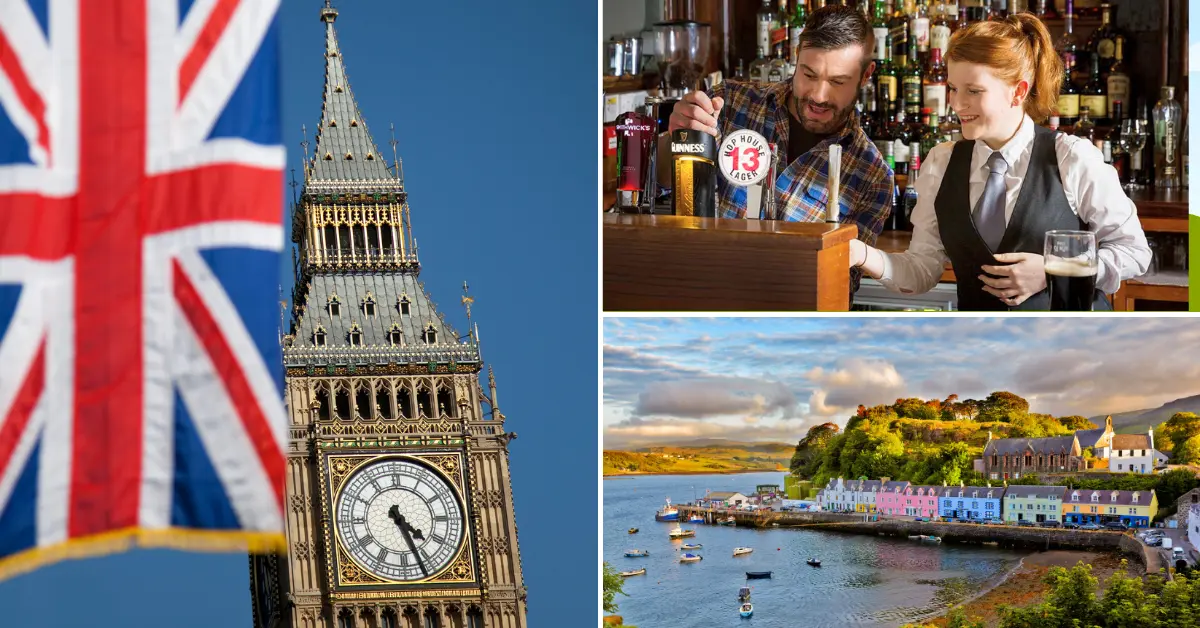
column 1033, row 503
column 970, row 502
column 890, row 500
column 921, row 501
column 1135, row 509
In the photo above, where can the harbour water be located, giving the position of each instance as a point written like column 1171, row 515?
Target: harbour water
column 862, row 581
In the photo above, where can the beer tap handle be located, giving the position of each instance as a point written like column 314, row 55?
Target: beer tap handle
column 650, row 190
column 832, row 206
column 770, row 208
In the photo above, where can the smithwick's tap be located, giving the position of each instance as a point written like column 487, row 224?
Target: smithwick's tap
column 694, row 192
column 636, row 132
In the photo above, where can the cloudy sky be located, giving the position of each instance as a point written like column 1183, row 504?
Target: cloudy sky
column 672, row 380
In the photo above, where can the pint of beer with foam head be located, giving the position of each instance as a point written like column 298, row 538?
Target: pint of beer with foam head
column 1071, row 264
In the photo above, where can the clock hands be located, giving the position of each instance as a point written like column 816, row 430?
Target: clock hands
column 409, row 533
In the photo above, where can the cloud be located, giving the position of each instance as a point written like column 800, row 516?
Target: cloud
column 855, row 381
column 716, row 396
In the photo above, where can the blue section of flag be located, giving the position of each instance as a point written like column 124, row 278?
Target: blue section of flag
column 251, row 279
column 253, row 111
column 198, row 500
column 184, row 7
column 9, row 295
column 18, row 525
column 13, row 147
column 41, row 11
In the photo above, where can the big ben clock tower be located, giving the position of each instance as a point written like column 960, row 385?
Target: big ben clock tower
column 399, row 505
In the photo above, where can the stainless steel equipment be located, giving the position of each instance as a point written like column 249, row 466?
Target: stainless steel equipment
column 681, row 52
column 614, row 57
column 633, row 55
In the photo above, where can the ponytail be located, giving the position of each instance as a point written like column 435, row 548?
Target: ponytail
column 1015, row 49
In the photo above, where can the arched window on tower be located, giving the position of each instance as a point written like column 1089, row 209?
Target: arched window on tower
column 404, row 402
column 319, row 336
column 355, row 335
column 431, row 618
column 445, row 401
column 387, row 619
column 474, row 618
column 383, row 401
column 424, row 402
column 335, row 306
column 395, row 336
column 323, row 405
column 369, row 305
column 430, row 334
column 341, row 400
column 404, row 304
column 346, row 619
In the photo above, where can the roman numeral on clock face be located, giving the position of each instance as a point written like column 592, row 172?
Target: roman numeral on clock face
column 366, row 541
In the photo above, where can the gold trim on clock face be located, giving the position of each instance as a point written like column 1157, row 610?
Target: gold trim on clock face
column 399, row 520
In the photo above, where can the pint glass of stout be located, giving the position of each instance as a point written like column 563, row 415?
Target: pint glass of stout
column 1070, row 261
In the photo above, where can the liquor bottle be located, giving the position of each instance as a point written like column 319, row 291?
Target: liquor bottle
column 1142, row 160
column 879, row 26
column 1092, row 95
column 951, row 128
column 1067, row 46
column 1120, row 159
column 910, row 187
column 797, row 27
column 940, row 29
column 867, row 109
column 759, row 68
column 766, row 22
column 1103, row 41
column 888, row 81
column 1085, row 128
column 898, row 29
column 1052, row 123
column 918, row 29
column 912, row 84
column 740, row 73
column 999, row 9
column 1118, row 80
column 883, row 137
column 777, row 68
column 1183, row 151
column 932, row 136
column 962, row 18
column 1045, row 10
column 901, row 137
column 1068, row 99
column 934, row 83
column 1167, row 123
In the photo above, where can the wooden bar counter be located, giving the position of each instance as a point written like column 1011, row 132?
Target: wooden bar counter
column 687, row 264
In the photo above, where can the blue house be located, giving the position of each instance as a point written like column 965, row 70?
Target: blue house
column 970, row 502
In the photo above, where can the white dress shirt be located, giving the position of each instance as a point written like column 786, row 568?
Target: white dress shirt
column 1092, row 188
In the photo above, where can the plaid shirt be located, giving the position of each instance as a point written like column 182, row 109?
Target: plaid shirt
column 867, row 181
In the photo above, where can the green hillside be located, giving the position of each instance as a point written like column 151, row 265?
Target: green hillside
column 1138, row 421
column 726, row 457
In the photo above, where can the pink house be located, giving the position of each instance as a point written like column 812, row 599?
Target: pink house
column 890, row 500
column 920, row 501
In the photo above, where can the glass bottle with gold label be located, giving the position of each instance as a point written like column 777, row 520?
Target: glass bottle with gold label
column 1167, row 122
column 1068, row 99
column 1118, row 80
column 1103, row 40
column 888, row 83
column 1092, row 95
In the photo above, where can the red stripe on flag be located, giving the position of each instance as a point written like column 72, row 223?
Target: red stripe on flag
column 216, row 193
column 22, row 408
column 230, row 372
column 36, row 226
column 107, row 444
column 205, row 42
column 11, row 67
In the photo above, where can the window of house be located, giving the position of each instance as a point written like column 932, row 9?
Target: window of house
column 395, row 336
column 404, row 305
column 355, row 335
column 335, row 306
column 369, row 305
column 319, row 337
column 430, row 334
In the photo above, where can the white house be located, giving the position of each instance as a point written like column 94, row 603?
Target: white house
column 1193, row 526
column 724, row 499
column 838, row 496
column 1133, row 453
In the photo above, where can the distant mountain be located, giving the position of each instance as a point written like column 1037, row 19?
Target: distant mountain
column 1138, row 421
column 721, row 443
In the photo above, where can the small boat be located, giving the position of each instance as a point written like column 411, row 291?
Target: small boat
column 756, row 575
column 815, row 562
column 667, row 513
column 747, row 610
column 679, row 533
column 744, row 594
column 691, row 546
column 633, row 530
column 690, row 558
column 695, row 519
column 727, row 521
column 738, row 551
column 636, row 553
column 635, row 572
column 929, row 538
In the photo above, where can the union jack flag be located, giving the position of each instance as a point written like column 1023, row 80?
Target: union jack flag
column 140, row 233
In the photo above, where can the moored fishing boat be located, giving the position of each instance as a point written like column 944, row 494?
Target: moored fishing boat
column 755, row 575
column 815, row 562
column 728, row 521
column 635, row 572
column 680, row 533
column 695, row 519
column 667, row 512
column 739, row 551
column 744, row 594
column 690, row 558
column 633, row 530
column 636, row 553
column 691, row 546
column 747, row 610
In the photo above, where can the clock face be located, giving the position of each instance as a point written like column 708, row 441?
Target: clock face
column 399, row 520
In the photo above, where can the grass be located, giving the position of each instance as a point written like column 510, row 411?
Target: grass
column 669, row 460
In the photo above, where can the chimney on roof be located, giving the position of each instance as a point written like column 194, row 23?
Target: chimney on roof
column 1150, row 435
column 885, row 480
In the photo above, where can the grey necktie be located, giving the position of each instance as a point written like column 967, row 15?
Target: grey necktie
column 989, row 211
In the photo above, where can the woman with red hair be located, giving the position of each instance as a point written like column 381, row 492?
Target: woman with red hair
column 984, row 203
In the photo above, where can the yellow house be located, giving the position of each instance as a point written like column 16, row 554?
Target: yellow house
column 1135, row 509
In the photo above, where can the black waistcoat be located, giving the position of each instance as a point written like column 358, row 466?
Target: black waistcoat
column 1041, row 206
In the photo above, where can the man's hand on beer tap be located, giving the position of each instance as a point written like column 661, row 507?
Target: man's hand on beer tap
column 697, row 111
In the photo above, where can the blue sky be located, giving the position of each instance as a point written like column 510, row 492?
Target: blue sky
column 492, row 105
column 671, row 380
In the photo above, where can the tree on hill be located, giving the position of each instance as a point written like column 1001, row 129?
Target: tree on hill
column 1001, row 405
column 1076, row 422
column 811, row 449
column 1172, row 435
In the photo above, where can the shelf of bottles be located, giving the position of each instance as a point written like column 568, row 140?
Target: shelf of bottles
column 904, row 108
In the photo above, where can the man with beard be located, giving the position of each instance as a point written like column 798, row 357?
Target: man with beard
column 806, row 116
